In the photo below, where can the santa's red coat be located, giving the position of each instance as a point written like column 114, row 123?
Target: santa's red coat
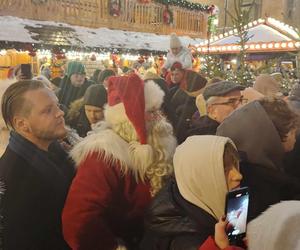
column 103, row 204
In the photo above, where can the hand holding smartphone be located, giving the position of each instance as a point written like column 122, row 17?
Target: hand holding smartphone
column 236, row 211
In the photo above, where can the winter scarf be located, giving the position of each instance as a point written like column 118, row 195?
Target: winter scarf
column 41, row 161
column 199, row 172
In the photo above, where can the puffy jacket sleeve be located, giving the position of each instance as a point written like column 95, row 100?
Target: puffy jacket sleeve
column 90, row 194
column 210, row 244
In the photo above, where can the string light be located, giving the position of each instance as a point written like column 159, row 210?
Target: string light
column 287, row 46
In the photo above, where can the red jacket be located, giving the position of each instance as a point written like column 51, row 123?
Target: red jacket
column 210, row 244
column 102, row 205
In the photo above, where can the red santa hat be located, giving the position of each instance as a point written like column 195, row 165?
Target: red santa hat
column 129, row 98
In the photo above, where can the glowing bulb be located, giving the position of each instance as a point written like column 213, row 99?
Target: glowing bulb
column 283, row 45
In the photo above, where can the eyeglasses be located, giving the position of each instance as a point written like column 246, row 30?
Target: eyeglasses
column 234, row 102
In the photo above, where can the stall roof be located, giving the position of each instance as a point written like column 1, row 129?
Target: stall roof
column 265, row 35
column 14, row 29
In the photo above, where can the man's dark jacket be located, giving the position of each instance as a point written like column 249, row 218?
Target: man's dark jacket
column 33, row 200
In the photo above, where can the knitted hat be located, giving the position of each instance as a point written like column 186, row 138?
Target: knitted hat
column 267, row 85
column 136, row 98
column 104, row 74
column 95, row 95
column 174, row 41
column 75, row 68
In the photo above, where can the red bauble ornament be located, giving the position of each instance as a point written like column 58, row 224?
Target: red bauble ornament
column 32, row 53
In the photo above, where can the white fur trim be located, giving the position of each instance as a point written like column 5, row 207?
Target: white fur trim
column 154, row 96
column 105, row 142
column 115, row 114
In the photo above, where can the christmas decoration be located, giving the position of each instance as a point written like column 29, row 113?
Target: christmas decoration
column 246, row 78
column 186, row 5
column 31, row 50
column 93, row 57
column 240, row 19
column 212, row 66
column 167, row 15
column 212, row 21
column 114, row 7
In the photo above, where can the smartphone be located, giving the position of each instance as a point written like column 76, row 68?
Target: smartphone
column 26, row 71
column 236, row 210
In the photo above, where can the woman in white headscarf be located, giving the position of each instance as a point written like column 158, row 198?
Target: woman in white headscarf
column 184, row 214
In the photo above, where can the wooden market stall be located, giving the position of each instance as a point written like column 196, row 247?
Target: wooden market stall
column 51, row 43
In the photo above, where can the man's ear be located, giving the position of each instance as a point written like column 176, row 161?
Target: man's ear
column 21, row 124
column 209, row 109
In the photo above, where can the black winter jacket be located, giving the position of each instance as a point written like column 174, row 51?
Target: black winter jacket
column 267, row 187
column 172, row 223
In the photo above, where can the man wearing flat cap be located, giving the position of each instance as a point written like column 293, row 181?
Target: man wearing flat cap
column 221, row 99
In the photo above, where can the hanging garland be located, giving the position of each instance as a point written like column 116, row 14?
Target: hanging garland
column 186, row 4
column 167, row 16
column 212, row 18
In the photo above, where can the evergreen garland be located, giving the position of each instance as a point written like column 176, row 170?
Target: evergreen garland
column 186, row 4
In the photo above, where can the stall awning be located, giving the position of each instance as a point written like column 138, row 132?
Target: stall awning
column 265, row 35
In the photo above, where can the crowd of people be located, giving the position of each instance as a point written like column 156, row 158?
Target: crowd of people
column 144, row 162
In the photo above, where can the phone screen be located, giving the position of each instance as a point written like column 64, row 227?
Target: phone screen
column 237, row 203
column 26, row 71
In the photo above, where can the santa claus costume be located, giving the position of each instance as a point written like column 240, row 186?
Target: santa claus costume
column 120, row 166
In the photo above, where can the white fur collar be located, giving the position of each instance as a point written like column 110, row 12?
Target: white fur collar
column 106, row 143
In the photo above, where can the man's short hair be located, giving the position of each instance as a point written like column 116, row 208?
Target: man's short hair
column 283, row 118
column 13, row 100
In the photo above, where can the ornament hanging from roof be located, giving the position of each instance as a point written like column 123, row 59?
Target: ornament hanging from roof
column 167, row 15
column 114, row 7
